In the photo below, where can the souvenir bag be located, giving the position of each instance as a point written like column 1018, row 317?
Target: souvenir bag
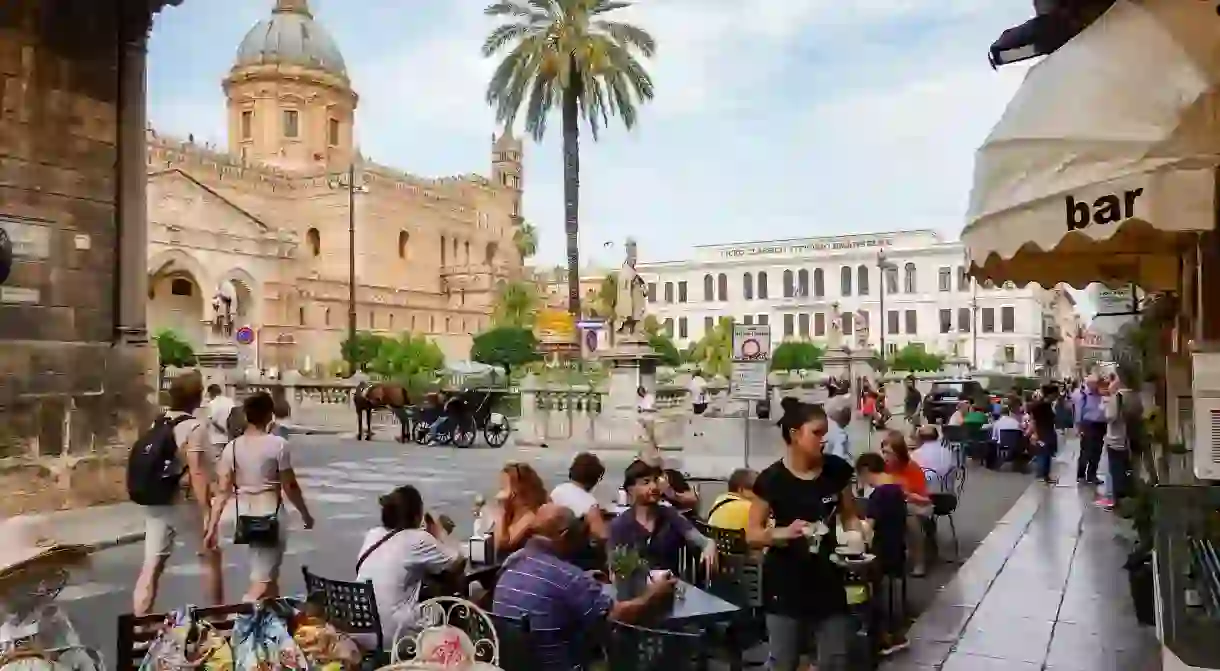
column 261, row 642
column 325, row 646
column 188, row 644
column 255, row 530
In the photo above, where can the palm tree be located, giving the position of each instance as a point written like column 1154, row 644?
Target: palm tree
column 515, row 305
column 566, row 53
column 525, row 239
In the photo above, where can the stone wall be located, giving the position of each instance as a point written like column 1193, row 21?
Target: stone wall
column 63, row 384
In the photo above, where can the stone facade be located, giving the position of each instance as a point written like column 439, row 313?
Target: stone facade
column 266, row 221
column 73, row 352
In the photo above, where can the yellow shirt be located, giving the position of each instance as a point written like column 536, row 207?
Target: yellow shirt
column 731, row 512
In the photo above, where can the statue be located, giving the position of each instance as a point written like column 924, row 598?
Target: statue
column 631, row 296
column 834, row 330
column 861, row 328
column 222, row 309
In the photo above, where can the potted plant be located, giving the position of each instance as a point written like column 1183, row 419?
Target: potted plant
column 629, row 572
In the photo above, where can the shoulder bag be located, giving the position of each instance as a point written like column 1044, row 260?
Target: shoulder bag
column 255, row 530
column 381, row 541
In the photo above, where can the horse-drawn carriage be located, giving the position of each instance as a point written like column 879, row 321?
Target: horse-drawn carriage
column 467, row 412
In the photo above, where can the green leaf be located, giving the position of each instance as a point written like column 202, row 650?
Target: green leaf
column 509, row 347
column 173, row 349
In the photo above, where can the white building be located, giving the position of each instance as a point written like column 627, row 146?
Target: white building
column 793, row 285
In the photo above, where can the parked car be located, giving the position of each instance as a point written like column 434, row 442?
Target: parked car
column 941, row 401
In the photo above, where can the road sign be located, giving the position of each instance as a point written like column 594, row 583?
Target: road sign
column 751, row 342
column 751, row 358
column 244, row 335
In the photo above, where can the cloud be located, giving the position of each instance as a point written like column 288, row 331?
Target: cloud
column 773, row 118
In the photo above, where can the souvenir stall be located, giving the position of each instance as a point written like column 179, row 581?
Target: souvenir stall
column 1103, row 169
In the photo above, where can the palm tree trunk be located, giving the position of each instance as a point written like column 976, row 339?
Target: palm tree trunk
column 571, row 188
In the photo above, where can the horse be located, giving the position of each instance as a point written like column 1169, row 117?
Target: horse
column 372, row 396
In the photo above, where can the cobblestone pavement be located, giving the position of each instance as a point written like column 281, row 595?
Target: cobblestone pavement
column 342, row 479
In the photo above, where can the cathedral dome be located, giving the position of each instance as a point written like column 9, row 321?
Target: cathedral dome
column 291, row 37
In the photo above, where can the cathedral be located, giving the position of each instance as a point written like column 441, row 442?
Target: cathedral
column 250, row 248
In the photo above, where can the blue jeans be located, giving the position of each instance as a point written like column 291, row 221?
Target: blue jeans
column 1046, row 455
column 436, row 428
column 788, row 637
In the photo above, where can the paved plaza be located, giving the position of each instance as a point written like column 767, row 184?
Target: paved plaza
column 342, row 479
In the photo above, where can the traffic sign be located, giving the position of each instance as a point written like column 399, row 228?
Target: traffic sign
column 751, row 342
column 749, row 382
column 244, row 335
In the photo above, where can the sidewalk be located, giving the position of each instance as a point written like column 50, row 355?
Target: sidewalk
column 1045, row 590
column 99, row 527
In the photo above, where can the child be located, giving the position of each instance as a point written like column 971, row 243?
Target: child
column 887, row 511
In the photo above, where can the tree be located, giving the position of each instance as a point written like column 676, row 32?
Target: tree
column 410, row 360
column 664, row 345
column 173, row 349
column 525, row 239
column 515, row 304
column 797, row 355
column 506, row 346
column 714, row 352
column 360, row 351
column 914, row 358
column 567, row 53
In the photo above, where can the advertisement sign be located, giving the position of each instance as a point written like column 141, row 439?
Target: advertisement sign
column 751, row 360
column 555, row 326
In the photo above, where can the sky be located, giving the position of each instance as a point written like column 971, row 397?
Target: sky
column 772, row 118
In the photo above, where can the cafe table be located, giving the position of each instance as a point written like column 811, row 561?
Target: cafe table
column 690, row 606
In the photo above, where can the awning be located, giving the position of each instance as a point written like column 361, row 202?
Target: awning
column 1102, row 168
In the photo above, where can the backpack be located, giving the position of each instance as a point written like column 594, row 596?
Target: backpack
column 150, row 482
column 235, row 423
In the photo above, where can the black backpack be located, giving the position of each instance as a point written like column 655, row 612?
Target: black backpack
column 235, row 423
column 150, row 482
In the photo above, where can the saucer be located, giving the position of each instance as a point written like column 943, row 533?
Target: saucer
column 859, row 560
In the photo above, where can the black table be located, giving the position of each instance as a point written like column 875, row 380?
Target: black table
column 694, row 607
column 482, row 571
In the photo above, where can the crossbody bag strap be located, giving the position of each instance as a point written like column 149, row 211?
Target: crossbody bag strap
column 721, row 504
column 374, row 546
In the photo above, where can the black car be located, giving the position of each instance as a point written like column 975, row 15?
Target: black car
column 941, row 402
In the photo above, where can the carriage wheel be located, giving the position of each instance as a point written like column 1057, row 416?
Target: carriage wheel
column 464, row 434
column 497, row 429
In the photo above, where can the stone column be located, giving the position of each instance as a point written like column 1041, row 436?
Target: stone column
column 132, row 178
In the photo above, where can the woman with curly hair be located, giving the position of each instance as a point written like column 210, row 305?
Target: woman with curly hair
column 521, row 494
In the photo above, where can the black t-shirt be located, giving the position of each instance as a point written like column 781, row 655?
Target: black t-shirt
column 887, row 508
column 912, row 399
column 797, row 582
column 1043, row 417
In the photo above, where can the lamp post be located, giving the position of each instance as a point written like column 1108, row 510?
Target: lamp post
column 348, row 181
column 974, row 324
column 885, row 267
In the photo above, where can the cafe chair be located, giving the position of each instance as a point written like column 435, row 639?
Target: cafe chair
column 517, row 651
column 738, row 580
column 1008, row 447
column 944, row 503
column 350, row 607
column 446, row 630
column 978, row 442
column 634, row 648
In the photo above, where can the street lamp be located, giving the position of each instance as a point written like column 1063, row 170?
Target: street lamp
column 885, row 267
column 348, row 181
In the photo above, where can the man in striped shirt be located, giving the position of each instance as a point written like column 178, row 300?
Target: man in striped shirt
column 562, row 603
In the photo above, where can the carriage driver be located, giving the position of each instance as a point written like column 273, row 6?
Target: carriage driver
column 448, row 405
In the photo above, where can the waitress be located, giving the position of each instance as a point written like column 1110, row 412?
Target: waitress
column 804, row 591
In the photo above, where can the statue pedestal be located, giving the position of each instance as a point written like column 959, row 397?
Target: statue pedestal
column 844, row 364
column 218, row 362
column 633, row 364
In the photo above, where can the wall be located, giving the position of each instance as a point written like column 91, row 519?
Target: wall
column 58, row 151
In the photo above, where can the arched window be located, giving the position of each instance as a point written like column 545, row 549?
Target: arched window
column 747, row 286
column 802, row 283
column 314, row 240
column 709, row 288
column 722, row 287
column 489, row 255
column 762, row 285
column 908, row 280
column 444, row 250
column 819, row 283
column 845, row 281
column 788, row 288
column 403, row 239
column 180, row 286
column 391, row 321
column 466, row 256
column 300, row 316
column 326, row 317
column 862, row 280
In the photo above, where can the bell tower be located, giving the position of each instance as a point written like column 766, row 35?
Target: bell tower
column 506, row 166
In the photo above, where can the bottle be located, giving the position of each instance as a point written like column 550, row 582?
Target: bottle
column 481, row 523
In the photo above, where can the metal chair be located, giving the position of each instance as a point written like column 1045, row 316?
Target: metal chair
column 944, row 503
column 954, row 439
column 517, row 652
column 350, row 607
column 737, row 579
column 634, row 648
column 1008, row 446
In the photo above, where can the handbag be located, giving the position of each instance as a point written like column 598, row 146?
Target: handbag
column 255, row 530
